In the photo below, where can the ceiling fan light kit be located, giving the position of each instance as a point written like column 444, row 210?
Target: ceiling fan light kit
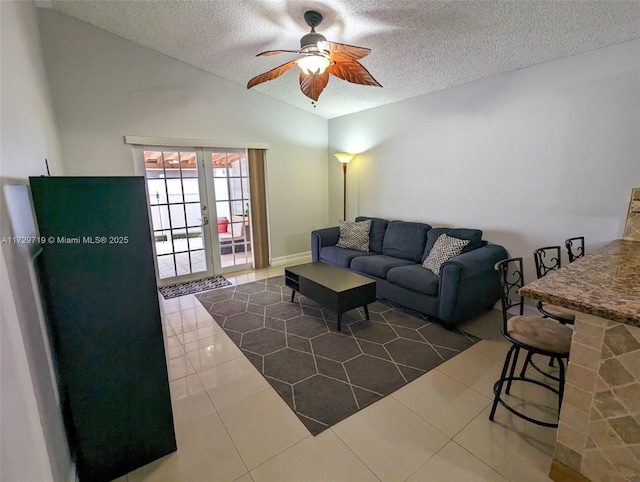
column 314, row 64
column 319, row 58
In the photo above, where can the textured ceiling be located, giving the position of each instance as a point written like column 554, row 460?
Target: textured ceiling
column 417, row 46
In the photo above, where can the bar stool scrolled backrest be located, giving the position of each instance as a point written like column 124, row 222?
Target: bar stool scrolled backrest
column 547, row 259
column 511, row 280
column 575, row 248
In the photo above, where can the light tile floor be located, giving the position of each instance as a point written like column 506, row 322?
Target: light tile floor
column 231, row 425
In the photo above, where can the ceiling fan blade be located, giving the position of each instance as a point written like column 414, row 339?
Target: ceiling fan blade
column 343, row 52
column 272, row 74
column 353, row 71
column 313, row 85
column 276, row 52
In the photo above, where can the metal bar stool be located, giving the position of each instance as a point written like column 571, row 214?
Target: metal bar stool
column 535, row 335
column 548, row 259
column 575, row 248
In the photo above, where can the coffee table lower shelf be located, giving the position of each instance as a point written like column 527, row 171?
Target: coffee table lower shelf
column 334, row 288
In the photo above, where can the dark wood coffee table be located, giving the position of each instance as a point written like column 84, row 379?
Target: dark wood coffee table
column 334, row 288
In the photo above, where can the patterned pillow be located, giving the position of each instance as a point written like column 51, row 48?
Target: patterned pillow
column 445, row 247
column 354, row 235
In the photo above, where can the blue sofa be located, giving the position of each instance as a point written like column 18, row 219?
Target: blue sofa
column 466, row 286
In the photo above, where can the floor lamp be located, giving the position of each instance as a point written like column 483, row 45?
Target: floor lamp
column 344, row 158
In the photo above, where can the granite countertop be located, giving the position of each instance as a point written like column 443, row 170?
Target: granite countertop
column 605, row 283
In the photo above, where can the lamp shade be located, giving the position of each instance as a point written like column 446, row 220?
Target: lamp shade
column 314, row 64
column 343, row 157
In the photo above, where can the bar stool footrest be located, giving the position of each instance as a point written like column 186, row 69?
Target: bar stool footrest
column 507, row 380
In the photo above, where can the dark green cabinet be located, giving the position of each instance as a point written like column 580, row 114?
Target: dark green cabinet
column 98, row 281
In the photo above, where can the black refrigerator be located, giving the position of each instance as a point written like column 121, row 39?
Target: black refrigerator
column 98, row 281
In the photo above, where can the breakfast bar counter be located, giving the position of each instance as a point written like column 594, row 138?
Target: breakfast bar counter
column 598, row 436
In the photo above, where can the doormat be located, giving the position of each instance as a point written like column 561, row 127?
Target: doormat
column 189, row 287
column 322, row 374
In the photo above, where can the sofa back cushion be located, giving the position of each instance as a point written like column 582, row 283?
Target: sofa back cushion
column 405, row 240
column 376, row 235
column 473, row 235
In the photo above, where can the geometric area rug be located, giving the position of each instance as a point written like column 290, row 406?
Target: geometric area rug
column 189, row 287
column 325, row 375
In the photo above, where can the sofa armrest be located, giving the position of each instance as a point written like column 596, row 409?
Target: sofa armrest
column 321, row 238
column 469, row 284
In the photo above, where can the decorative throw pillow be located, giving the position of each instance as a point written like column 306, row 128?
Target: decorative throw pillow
column 223, row 224
column 445, row 248
column 355, row 235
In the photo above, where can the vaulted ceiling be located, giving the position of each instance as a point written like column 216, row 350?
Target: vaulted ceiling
column 417, row 46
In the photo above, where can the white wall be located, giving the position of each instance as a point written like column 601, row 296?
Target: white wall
column 105, row 87
column 33, row 445
column 532, row 157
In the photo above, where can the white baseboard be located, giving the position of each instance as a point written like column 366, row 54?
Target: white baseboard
column 292, row 259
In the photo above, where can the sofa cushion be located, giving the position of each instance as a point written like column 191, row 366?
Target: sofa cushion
column 405, row 240
column 445, row 248
column 376, row 235
column 415, row 278
column 223, row 224
column 377, row 265
column 341, row 256
column 354, row 235
column 473, row 235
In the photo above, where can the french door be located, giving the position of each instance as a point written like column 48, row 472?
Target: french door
column 199, row 211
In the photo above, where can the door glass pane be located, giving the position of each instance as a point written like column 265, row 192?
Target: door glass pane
column 231, row 192
column 174, row 199
column 198, row 261
column 233, row 165
column 195, row 238
column 157, row 189
column 159, row 217
column 191, row 190
column 179, row 238
column 183, row 264
column 222, row 208
column 219, row 163
column 163, row 242
column 241, row 255
column 177, row 215
column 238, row 208
column 188, row 165
column 221, row 188
column 171, row 162
column 174, row 190
column 194, row 216
column 235, row 188
column 166, row 266
column 244, row 167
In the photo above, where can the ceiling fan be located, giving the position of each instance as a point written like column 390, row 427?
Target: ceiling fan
column 319, row 58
